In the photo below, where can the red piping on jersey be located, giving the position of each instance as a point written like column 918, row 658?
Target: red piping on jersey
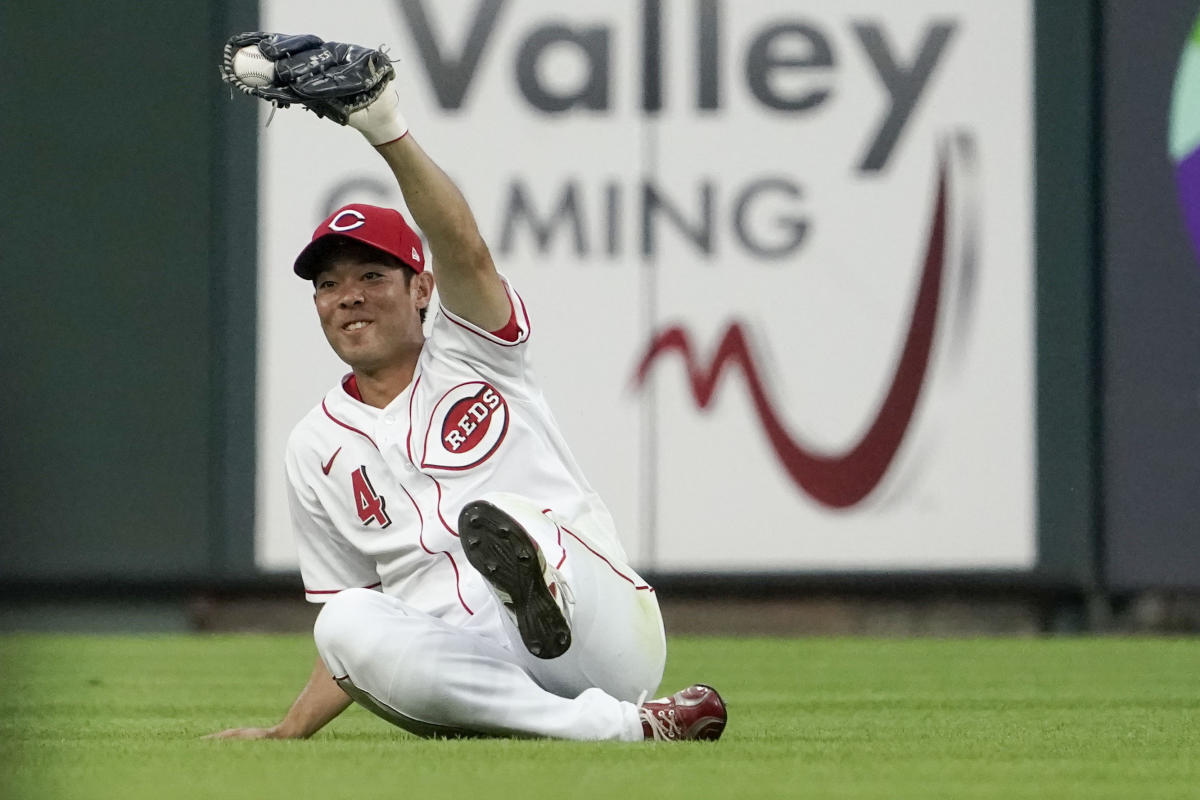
column 408, row 441
column 562, row 560
column 524, row 313
column 457, row 577
column 347, row 427
column 511, row 330
column 644, row 586
column 421, row 541
column 546, row 512
column 445, row 524
column 337, row 591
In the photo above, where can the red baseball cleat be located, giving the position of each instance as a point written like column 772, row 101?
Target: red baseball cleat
column 697, row 712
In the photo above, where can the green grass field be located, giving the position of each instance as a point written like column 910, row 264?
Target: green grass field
column 122, row 717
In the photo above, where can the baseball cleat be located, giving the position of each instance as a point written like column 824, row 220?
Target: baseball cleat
column 510, row 560
column 696, row 713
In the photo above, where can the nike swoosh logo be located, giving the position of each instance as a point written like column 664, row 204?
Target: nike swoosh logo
column 329, row 465
column 841, row 480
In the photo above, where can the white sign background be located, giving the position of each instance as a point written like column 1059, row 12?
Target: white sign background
column 691, row 488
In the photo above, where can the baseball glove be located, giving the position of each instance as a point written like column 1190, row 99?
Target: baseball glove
column 328, row 78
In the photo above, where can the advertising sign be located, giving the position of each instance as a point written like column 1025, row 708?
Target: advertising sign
column 777, row 255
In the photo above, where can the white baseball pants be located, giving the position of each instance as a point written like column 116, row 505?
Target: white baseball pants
column 436, row 679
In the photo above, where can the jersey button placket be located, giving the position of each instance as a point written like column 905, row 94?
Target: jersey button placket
column 387, row 430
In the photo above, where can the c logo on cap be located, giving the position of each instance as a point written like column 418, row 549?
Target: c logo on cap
column 359, row 220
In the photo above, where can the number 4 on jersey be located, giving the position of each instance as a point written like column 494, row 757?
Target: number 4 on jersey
column 371, row 506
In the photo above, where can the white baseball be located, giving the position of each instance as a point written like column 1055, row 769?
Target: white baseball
column 252, row 67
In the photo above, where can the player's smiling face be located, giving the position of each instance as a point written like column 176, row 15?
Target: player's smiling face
column 370, row 312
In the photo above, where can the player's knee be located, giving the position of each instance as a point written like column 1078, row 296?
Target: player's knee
column 335, row 627
column 513, row 504
column 527, row 513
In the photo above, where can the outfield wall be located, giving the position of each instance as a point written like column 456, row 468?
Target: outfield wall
column 738, row 153
column 1150, row 422
column 778, row 257
column 126, row 450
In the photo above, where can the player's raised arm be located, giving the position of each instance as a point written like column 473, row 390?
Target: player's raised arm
column 466, row 276
column 351, row 85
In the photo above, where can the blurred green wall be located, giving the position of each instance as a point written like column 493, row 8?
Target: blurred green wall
column 124, row 448
column 1067, row 194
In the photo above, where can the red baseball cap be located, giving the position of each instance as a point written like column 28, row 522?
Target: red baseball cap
column 382, row 228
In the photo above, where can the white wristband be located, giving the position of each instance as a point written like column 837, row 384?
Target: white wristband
column 381, row 122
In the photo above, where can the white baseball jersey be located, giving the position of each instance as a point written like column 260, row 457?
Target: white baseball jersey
column 375, row 493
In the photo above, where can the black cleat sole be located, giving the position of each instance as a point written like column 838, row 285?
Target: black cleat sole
column 503, row 553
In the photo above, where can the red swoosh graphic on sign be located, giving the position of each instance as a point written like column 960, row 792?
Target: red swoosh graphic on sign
column 839, row 481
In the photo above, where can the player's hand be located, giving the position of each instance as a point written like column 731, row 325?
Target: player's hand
column 248, row 733
column 348, row 83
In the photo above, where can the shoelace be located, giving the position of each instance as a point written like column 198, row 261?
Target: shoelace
column 565, row 598
column 662, row 724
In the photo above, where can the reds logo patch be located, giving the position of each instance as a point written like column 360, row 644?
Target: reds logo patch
column 466, row 427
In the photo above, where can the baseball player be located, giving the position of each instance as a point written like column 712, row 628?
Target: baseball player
column 472, row 580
